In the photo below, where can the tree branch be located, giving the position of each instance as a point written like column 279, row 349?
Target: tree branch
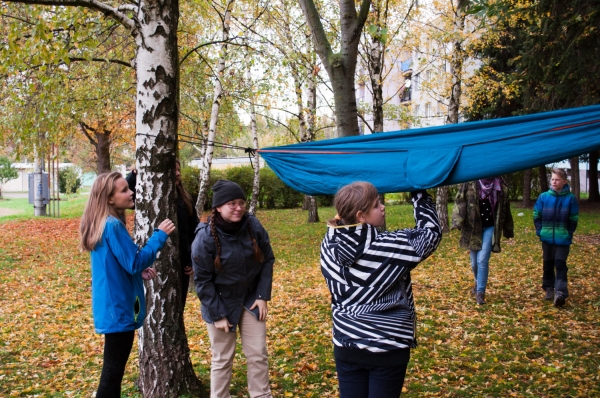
column 112, row 61
column 105, row 9
column 84, row 128
column 321, row 44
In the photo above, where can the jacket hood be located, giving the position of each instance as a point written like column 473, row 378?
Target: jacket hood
column 347, row 242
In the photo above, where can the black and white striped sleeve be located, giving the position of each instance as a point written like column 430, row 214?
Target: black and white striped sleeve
column 427, row 234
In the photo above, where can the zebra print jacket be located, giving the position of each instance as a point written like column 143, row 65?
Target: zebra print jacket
column 368, row 275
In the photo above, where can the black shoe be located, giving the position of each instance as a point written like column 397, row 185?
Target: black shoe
column 549, row 294
column 474, row 290
column 480, row 298
column 559, row 299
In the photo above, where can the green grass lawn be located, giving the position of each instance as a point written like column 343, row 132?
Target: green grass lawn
column 515, row 345
column 19, row 209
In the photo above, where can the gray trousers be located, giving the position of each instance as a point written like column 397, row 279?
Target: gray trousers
column 254, row 345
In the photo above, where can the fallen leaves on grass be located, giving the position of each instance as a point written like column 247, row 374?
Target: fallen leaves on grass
column 515, row 345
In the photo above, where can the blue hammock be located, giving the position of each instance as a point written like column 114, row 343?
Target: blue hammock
column 414, row 159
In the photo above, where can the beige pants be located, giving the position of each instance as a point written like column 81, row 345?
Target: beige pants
column 254, row 344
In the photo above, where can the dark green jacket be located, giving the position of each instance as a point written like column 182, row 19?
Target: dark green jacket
column 466, row 217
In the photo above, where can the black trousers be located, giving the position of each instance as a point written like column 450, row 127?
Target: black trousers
column 555, row 268
column 366, row 381
column 117, row 347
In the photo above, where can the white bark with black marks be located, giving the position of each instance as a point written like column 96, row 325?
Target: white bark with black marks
column 214, row 114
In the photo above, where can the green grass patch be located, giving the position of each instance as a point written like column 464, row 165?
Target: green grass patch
column 19, row 209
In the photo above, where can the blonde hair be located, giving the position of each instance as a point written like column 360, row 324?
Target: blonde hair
column 352, row 198
column 97, row 210
column 561, row 173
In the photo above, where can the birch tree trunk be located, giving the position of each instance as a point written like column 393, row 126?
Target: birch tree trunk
column 593, row 178
column 214, row 115
column 165, row 366
column 311, row 111
column 254, row 130
column 456, row 67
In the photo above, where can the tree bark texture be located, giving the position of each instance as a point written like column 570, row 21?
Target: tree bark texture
column 101, row 143
column 456, row 67
column 543, row 178
column 375, row 62
column 441, row 206
column 340, row 67
column 527, row 188
column 311, row 111
column 214, row 115
column 254, row 129
column 593, row 178
column 313, row 214
column 165, row 366
column 575, row 180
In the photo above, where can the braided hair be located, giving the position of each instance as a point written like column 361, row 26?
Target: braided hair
column 215, row 215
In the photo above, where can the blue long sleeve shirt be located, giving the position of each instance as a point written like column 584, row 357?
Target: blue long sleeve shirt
column 118, row 301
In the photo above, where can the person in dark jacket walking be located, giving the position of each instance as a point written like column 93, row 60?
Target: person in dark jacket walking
column 368, row 275
column 482, row 214
column 233, row 273
column 118, row 268
column 555, row 217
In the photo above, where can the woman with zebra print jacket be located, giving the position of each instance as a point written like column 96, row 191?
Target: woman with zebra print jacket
column 368, row 275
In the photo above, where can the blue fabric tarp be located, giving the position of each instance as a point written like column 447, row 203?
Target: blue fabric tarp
column 414, row 159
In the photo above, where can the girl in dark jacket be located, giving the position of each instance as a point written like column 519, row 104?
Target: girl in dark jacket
column 233, row 272
column 482, row 214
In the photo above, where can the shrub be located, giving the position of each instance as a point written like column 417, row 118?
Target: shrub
column 273, row 192
column 69, row 180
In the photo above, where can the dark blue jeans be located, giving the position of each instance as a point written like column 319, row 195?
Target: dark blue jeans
column 364, row 381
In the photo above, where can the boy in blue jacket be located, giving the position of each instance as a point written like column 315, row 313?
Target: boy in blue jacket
column 555, row 217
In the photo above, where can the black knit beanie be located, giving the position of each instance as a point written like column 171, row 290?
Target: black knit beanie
column 225, row 191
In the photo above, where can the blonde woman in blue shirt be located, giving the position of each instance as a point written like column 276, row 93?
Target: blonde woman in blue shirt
column 118, row 268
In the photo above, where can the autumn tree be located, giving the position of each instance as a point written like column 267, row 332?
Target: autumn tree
column 340, row 65
column 165, row 367
column 537, row 56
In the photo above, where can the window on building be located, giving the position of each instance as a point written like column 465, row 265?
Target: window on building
column 417, row 110
column 440, row 109
column 428, row 110
column 416, row 79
